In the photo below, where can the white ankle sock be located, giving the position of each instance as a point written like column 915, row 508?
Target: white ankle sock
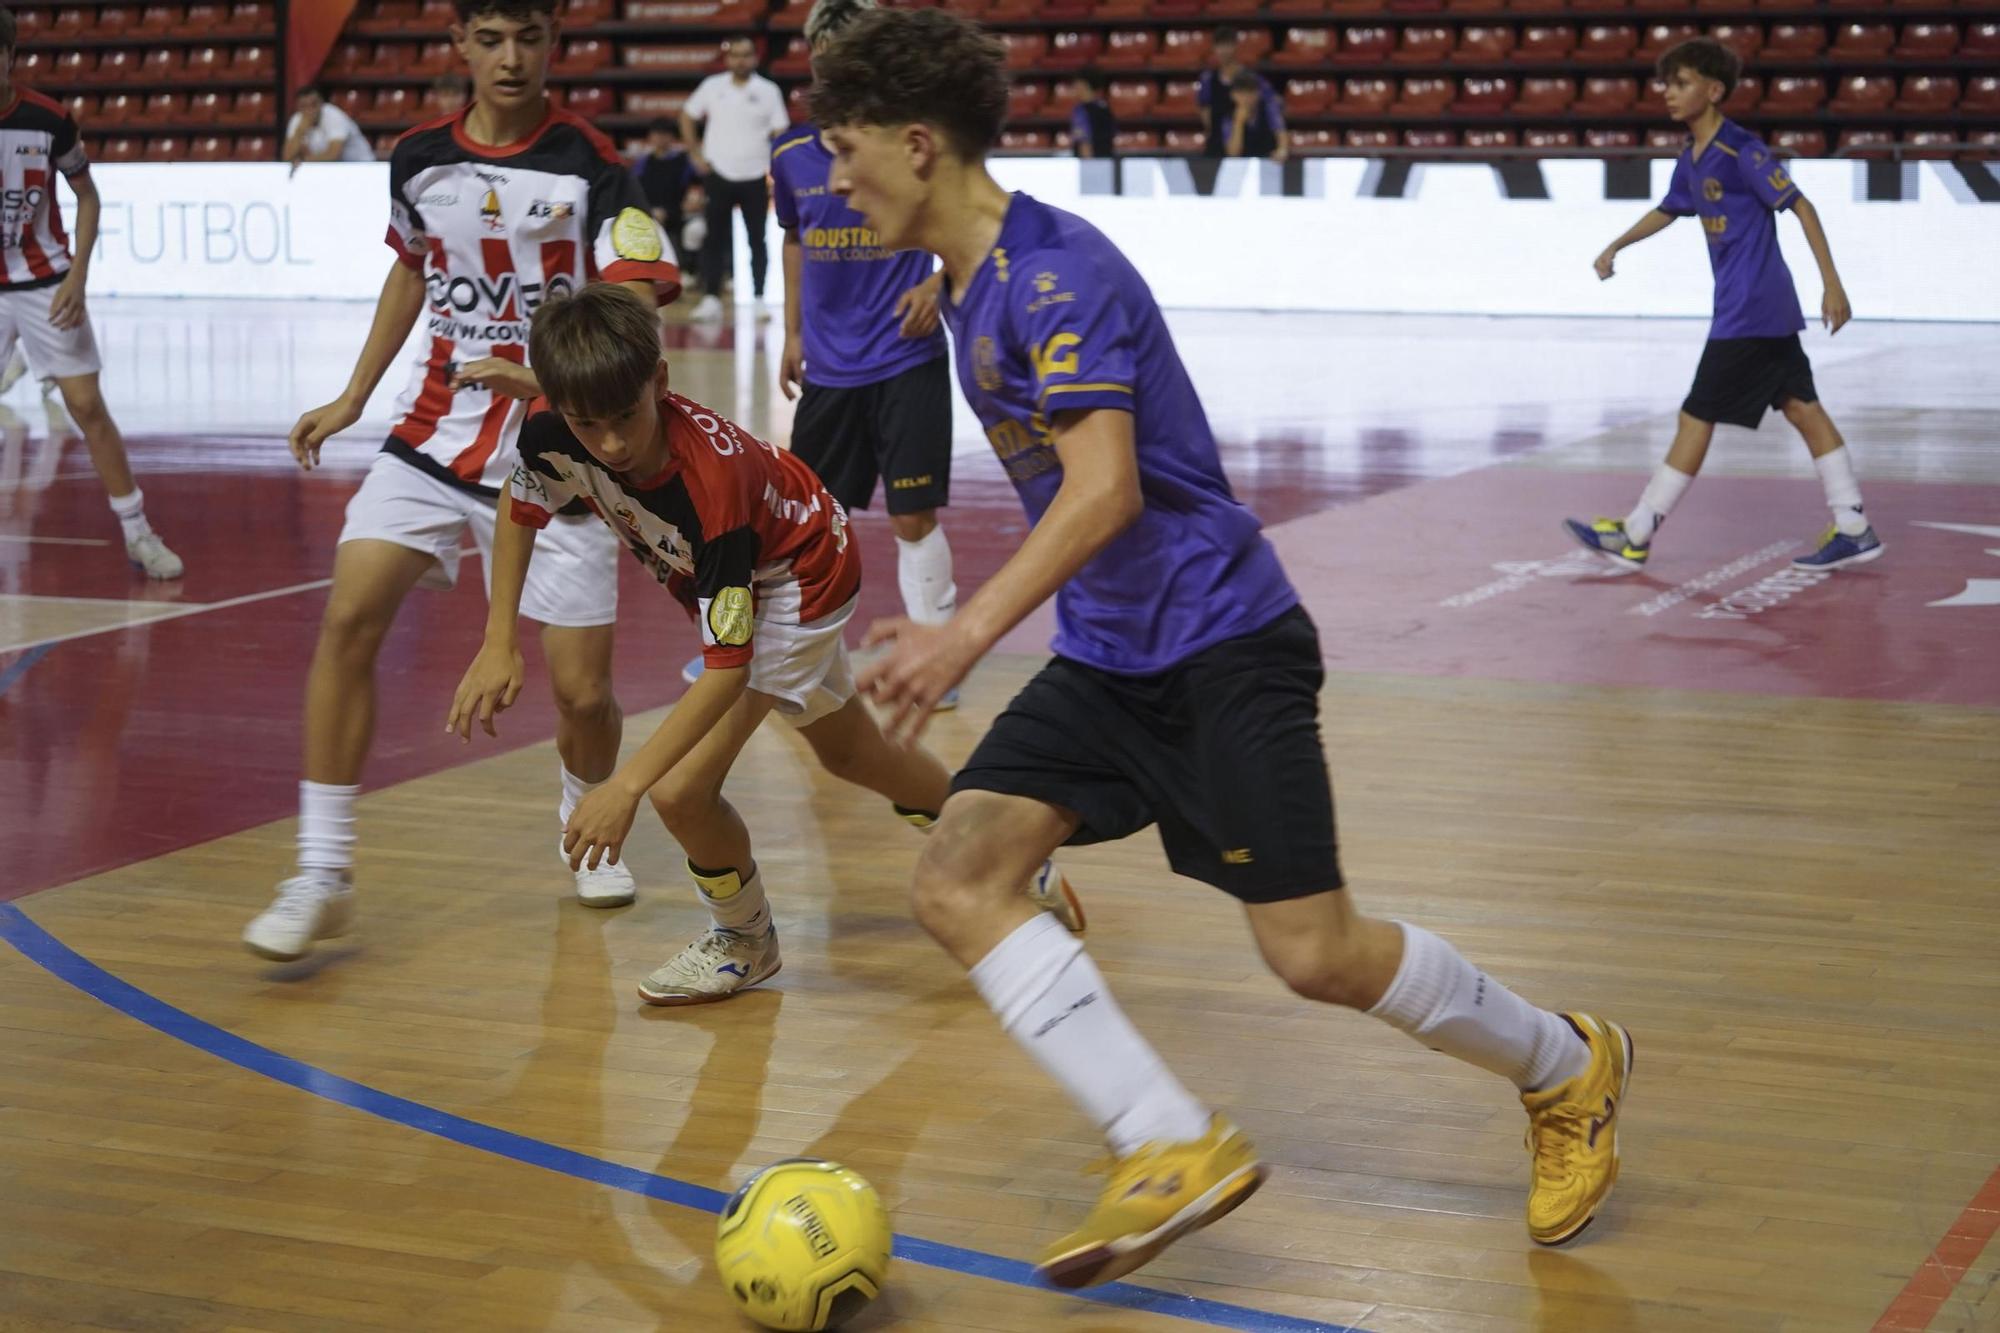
column 734, row 903
column 1441, row 1000
column 574, row 789
column 1051, row 999
column 1662, row 493
column 131, row 511
column 923, row 572
column 1843, row 490
column 326, row 829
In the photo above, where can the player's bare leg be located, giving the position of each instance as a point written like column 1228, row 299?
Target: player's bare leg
column 589, row 726
column 84, row 401
column 370, row 580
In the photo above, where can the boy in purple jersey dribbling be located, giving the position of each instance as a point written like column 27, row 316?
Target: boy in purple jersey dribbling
column 1184, row 691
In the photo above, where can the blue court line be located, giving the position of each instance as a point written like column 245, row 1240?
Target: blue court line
column 64, row 963
column 22, row 665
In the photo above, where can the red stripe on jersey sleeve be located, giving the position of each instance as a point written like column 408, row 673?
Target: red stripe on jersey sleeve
column 528, row 515
column 472, row 462
column 417, row 428
column 558, row 260
column 666, row 278
column 404, row 255
column 31, row 249
column 719, row 658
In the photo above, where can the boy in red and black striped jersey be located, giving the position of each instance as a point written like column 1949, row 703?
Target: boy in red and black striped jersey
column 492, row 210
column 746, row 537
column 37, row 139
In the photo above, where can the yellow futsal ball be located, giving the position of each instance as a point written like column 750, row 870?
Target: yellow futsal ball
column 803, row 1246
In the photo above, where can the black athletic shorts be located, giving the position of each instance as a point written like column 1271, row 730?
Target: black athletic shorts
column 898, row 429
column 1739, row 378
column 1222, row 751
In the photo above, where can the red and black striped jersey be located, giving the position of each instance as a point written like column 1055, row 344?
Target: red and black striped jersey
column 732, row 525
column 37, row 139
column 496, row 231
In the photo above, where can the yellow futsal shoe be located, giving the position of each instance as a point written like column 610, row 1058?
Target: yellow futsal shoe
column 1157, row 1195
column 1573, row 1134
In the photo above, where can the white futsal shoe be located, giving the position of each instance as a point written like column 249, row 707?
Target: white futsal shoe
column 607, row 886
column 307, row 908
column 714, row 967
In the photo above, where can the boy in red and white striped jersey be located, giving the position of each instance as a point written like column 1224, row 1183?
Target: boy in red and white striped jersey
column 492, row 210
column 41, row 288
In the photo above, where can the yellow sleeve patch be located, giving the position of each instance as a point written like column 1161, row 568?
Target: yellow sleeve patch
column 635, row 236
column 730, row 617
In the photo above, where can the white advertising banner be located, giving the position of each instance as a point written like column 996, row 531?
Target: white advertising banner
column 1446, row 240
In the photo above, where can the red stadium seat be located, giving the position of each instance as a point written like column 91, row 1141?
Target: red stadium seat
column 1743, row 100
column 1608, row 41
column 1423, row 44
column 1543, row 96
column 1546, row 41
column 1795, row 41
column 163, row 109
column 1306, row 46
column 1367, row 140
column 1799, row 143
column 1490, row 138
column 1309, row 97
column 1607, row 96
column 1128, row 49
column 1131, row 98
column 1315, row 141
column 1863, row 41
column 1136, row 141
column 1858, row 94
column 1484, row 44
column 1930, row 94
column 1982, row 96
column 1183, row 141
column 1430, row 138
column 1177, row 98
column 1364, row 46
column 1366, row 97
column 1660, row 36
column 1866, row 143
column 1743, row 38
column 1423, row 96
column 1074, row 50
column 1931, row 144
column 1548, row 138
column 1185, row 48
column 1981, row 40
column 1609, row 138
column 1928, row 41
column 255, row 148
column 210, row 148
column 1484, row 97
column 166, row 148
column 1024, row 100
column 1026, row 50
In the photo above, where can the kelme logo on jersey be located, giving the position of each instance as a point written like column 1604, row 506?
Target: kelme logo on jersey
column 635, row 236
column 729, row 617
column 489, row 211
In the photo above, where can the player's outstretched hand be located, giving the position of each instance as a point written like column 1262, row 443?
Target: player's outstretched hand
column 792, row 368
column 509, row 379
column 66, row 307
column 1603, row 264
column 598, row 827
column 923, row 662
column 317, row 426
column 489, row 689
column 1833, row 308
column 919, row 307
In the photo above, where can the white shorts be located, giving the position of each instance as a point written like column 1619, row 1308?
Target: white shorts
column 24, row 316
column 804, row 667
column 573, row 581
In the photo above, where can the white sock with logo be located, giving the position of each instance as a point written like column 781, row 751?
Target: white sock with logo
column 1051, row 999
column 923, row 572
column 1662, row 493
column 1843, row 491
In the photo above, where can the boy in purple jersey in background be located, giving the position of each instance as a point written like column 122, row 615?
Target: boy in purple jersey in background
column 1728, row 177
column 1184, row 691
column 865, row 358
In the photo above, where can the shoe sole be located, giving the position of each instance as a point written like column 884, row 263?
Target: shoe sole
column 1109, row 1262
column 1860, row 558
column 1617, row 561
column 278, row 956
column 1631, row 1063
column 667, row 1000
column 625, row 901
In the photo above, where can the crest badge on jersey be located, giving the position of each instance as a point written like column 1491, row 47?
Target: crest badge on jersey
column 634, row 236
column 489, row 210
column 729, row 617
column 985, row 363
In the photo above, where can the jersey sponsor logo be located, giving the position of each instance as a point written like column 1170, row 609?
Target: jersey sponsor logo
column 465, row 300
column 635, row 237
column 729, row 617
column 1711, row 190
column 438, row 199
column 544, row 208
column 28, row 150
column 489, row 211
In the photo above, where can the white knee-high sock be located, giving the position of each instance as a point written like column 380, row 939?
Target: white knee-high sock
column 326, row 829
column 1051, row 999
column 1843, row 490
column 1441, row 1000
column 923, row 572
column 1662, row 493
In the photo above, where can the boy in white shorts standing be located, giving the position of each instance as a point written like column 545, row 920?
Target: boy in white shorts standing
column 37, row 139
column 748, row 540
column 492, row 210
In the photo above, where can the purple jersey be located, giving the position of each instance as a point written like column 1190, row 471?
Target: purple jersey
column 1057, row 319
column 850, row 284
column 1734, row 188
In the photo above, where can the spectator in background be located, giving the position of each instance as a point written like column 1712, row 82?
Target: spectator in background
column 322, row 132
column 1092, row 131
column 1253, row 126
column 449, row 94
column 665, row 174
column 738, row 114
column 1216, row 94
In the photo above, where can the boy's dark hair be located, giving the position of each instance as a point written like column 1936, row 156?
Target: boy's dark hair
column 9, row 33
column 521, row 11
column 596, row 352
column 1246, row 81
column 915, row 66
column 1095, row 80
column 664, row 125
column 1705, row 57
column 1226, row 37
column 310, row 90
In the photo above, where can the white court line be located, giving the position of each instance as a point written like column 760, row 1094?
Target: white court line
column 174, row 613
column 56, row 541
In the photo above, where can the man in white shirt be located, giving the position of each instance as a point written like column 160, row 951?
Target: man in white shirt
column 738, row 113
column 322, row 132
